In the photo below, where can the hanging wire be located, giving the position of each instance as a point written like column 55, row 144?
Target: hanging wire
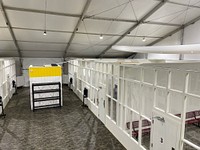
column 45, row 13
column 130, row 2
column 186, row 12
column 160, row 27
column 86, row 32
column 108, row 10
column 131, row 44
column 111, row 22
column 170, row 14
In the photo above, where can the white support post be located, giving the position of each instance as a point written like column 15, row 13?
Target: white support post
column 168, row 92
column 183, row 115
column 141, row 106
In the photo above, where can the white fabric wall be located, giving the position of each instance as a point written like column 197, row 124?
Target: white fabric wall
column 192, row 36
column 36, row 62
column 172, row 40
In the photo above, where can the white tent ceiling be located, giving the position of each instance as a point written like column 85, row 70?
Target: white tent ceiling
column 74, row 26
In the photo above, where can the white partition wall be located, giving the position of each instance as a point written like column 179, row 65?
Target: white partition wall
column 145, row 105
column 7, row 75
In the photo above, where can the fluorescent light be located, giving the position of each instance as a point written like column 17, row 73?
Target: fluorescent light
column 144, row 39
column 45, row 33
column 101, row 37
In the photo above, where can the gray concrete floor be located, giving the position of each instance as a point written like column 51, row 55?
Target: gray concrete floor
column 68, row 128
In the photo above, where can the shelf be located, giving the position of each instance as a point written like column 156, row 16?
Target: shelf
column 44, row 84
column 47, row 106
column 46, row 99
column 46, row 91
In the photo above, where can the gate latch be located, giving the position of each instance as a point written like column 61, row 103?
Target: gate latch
column 162, row 119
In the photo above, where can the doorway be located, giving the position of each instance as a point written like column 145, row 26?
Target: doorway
column 165, row 132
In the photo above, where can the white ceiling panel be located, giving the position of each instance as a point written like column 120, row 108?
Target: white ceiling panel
column 93, row 39
column 8, row 53
column 35, row 20
column 41, row 54
column 101, row 26
column 167, row 13
column 2, row 20
column 61, row 23
column 26, row 19
column 28, row 35
column 41, row 46
column 5, row 34
column 121, row 8
column 99, row 6
column 142, row 7
column 7, row 45
column 152, row 30
column 90, row 51
column 171, row 13
column 135, row 41
column 191, row 2
column 65, row 6
column 78, row 47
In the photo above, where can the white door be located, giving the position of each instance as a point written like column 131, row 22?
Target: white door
column 102, row 103
column 165, row 132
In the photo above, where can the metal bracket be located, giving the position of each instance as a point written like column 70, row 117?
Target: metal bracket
column 162, row 119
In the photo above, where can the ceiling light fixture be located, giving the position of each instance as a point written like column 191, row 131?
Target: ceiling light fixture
column 45, row 33
column 101, row 37
column 144, row 39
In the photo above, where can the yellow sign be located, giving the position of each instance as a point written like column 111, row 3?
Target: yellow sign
column 45, row 71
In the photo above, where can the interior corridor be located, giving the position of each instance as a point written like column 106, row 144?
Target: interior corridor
column 68, row 128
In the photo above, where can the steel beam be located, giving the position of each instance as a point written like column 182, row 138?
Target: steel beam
column 10, row 28
column 77, row 26
column 85, row 17
column 134, row 26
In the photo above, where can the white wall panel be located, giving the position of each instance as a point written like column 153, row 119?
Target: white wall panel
column 192, row 34
column 164, row 56
column 175, row 39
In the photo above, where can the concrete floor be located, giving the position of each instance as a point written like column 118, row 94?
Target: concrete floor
column 68, row 128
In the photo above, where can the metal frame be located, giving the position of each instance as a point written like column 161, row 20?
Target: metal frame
column 134, row 26
column 122, row 103
column 83, row 16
